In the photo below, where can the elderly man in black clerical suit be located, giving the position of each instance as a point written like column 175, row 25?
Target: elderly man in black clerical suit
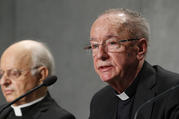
column 118, row 41
column 23, row 66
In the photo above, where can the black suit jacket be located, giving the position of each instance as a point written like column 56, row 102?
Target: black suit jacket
column 154, row 80
column 45, row 109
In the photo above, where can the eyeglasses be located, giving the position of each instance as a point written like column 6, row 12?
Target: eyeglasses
column 111, row 45
column 14, row 73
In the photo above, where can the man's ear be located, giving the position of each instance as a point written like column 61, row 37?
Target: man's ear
column 142, row 48
column 43, row 73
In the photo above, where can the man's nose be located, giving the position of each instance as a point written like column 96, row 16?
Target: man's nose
column 102, row 53
column 4, row 80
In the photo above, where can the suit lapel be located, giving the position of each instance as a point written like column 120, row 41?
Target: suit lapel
column 5, row 113
column 145, row 92
column 112, row 105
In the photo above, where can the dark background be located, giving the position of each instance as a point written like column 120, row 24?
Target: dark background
column 64, row 26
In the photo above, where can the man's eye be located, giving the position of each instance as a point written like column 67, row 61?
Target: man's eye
column 14, row 73
column 94, row 46
column 112, row 43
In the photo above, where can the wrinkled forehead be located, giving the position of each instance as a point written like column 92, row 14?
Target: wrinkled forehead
column 115, row 19
column 110, row 24
column 16, row 57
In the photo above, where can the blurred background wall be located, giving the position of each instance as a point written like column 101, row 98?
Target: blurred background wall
column 64, row 26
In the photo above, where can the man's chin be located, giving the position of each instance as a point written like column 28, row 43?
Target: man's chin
column 106, row 78
column 10, row 98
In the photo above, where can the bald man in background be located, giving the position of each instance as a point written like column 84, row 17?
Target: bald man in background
column 23, row 66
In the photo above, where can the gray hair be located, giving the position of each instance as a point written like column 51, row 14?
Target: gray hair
column 41, row 55
column 135, row 24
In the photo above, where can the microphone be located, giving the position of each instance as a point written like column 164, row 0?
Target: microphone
column 161, row 95
column 47, row 82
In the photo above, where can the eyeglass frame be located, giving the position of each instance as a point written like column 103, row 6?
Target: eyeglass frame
column 19, row 72
column 89, row 47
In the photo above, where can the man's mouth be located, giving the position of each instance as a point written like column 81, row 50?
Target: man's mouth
column 105, row 68
column 7, row 92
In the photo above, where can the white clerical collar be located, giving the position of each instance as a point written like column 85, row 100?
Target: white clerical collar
column 17, row 109
column 123, row 96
